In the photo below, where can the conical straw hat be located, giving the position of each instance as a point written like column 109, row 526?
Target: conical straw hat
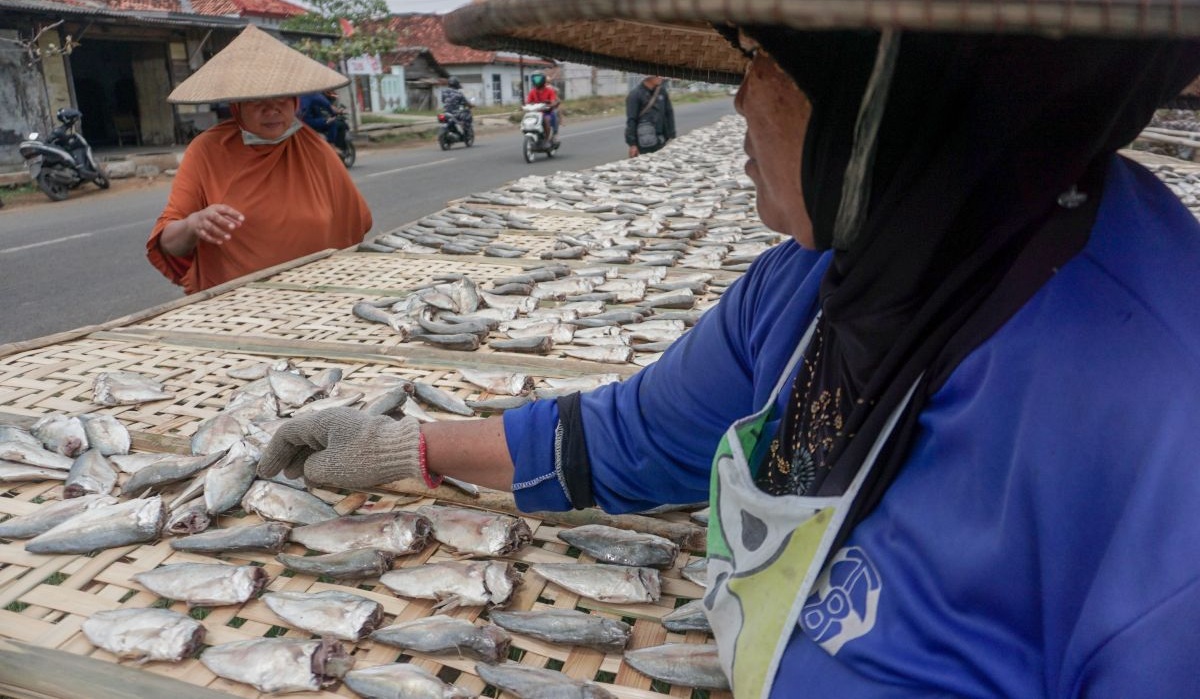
column 253, row 66
column 676, row 39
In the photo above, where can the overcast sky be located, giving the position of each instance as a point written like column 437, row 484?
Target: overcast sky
column 424, row 5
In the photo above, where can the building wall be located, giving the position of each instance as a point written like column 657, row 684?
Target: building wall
column 479, row 82
column 23, row 101
column 588, row 81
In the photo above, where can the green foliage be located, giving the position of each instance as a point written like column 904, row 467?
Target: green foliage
column 368, row 18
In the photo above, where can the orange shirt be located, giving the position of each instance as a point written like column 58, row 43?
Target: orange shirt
column 296, row 196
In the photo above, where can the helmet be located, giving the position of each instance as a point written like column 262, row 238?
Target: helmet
column 454, row 83
column 537, row 79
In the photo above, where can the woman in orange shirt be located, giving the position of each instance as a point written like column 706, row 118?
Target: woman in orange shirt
column 262, row 188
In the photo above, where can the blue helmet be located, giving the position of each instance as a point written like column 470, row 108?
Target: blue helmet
column 537, row 79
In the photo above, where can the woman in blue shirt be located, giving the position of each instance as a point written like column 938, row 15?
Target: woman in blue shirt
column 955, row 420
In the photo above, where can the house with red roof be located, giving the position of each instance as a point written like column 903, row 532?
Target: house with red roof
column 488, row 77
column 124, row 58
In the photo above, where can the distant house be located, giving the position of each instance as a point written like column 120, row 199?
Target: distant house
column 264, row 13
column 128, row 55
column 412, row 80
column 488, row 77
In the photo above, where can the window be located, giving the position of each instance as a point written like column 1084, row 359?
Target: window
column 497, row 89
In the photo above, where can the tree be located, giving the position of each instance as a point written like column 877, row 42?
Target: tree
column 33, row 49
column 360, row 24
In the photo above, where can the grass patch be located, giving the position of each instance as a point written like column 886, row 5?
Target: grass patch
column 199, row 613
column 126, row 597
column 660, row 687
column 515, row 654
column 609, row 677
column 162, row 603
column 54, row 579
column 553, row 664
column 236, row 622
column 38, row 500
column 405, row 137
column 16, row 606
column 275, row 631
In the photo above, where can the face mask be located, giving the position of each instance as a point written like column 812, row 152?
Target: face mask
column 253, row 140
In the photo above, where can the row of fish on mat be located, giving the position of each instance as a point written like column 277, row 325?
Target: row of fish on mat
column 552, row 308
column 275, row 664
column 184, row 494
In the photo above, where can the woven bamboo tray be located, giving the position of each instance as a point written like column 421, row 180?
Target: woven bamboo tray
column 46, row 599
column 59, row 378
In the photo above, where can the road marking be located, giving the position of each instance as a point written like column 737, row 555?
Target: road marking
column 19, row 248
column 409, row 167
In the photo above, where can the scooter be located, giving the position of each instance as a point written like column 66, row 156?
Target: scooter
column 455, row 128
column 348, row 154
column 533, row 127
column 63, row 161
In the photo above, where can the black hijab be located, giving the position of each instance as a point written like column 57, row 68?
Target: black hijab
column 987, row 175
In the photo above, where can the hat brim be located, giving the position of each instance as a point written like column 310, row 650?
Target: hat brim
column 255, row 66
column 676, row 39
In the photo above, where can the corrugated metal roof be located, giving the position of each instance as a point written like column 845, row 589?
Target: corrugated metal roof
column 99, row 10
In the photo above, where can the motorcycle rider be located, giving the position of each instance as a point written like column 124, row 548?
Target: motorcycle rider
column 541, row 92
column 320, row 110
column 456, row 104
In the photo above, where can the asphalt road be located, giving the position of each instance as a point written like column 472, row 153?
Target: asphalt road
column 82, row 261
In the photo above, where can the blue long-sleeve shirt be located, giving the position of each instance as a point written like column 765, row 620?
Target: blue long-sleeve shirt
column 1040, row 540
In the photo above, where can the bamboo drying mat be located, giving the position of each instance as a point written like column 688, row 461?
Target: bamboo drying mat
column 45, row 600
column 59, row 378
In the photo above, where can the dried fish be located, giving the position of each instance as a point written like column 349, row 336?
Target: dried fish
column 371, row 314
column 279, row 502
column 696, row 571
column 465, row 342
column 389, row 400
column 525, row 682
column 437, row 398
column 12, row 472
column 188, row 518
column 608, row 355
column 50, row 515
column 106, row 434
column 621, row 546
column 506, row 383
column 145, row 634
column 401, row 681
column 9, row 433
column 227, row 480
column 344, row 400
column 127, row 388
column 604, row 583
column 499, row 403
column 358, row 563
column 292, row 389
column 167, row 471
column 342, row 615
column 90, row 473
column 278, row 665
column 61, row 434
column 103, row 527
column 476, row 532
column 566, row 626
column 681, row 664
column 528, row 345
column 439, row 634
column 268, row 536
column 204, row 584
column 455, row 584
column 688, row 617
column 216, row 434
column 398, row 532
column 34, row 455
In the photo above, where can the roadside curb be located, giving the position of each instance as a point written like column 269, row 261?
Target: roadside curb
column 117, row 168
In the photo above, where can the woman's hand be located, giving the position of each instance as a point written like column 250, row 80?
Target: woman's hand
column 633, row 151
column 214, row 224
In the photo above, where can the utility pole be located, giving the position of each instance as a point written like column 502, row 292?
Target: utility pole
column 521, row 70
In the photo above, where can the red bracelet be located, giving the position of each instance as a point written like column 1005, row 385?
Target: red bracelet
column 431, row 481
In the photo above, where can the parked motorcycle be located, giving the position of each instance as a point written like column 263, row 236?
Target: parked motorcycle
column 455, row 128
column 348, row 154
column 533, row 127
column 64, row 160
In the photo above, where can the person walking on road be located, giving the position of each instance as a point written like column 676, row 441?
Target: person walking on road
column 649, row 116
column 259, row 189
